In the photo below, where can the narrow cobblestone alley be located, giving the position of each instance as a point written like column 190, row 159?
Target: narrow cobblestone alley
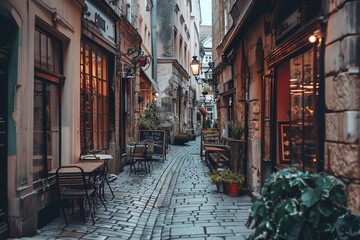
column 175, row 201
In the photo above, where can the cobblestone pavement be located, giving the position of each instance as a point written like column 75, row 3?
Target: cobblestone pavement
column 175, row 201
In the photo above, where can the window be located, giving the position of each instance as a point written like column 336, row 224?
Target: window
column 94, row 88
column 47, row 83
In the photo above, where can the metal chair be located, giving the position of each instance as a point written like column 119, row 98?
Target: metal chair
column 72, row 185
column 98, row 179
column 138, row 155
column 91, row 155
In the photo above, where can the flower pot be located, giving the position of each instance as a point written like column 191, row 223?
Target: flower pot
column 233, row 189
column 220, row 187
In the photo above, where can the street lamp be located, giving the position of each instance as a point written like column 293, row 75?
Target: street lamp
column 195, row 69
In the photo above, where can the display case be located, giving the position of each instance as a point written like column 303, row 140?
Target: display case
column 303, row 94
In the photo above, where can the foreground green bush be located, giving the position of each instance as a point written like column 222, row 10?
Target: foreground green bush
column 297, row 205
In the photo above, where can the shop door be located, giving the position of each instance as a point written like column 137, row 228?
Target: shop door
column 3, row 143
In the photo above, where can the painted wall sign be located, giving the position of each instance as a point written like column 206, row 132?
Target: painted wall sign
column 103, row 22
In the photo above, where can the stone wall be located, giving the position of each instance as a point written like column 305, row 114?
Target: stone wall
column 342, row 87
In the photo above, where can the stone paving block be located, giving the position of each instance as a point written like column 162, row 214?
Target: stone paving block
column 177, row 231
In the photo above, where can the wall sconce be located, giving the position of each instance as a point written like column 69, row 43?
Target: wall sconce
column 316, row 36
column 195, row 69
column 129, row 73
column 138, row 59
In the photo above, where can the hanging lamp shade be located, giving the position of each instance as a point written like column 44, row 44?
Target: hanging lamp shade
column 195, row 66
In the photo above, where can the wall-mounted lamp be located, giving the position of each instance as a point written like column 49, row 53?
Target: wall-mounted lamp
column 138, row 59
column 195, row 69
column 129, row 73
column 313, row 38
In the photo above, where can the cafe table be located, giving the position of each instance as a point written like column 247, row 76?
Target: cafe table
column 89, row 168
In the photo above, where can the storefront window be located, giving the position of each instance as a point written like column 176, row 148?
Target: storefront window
column 48, row 78
column 94, row 89
column 303, row 93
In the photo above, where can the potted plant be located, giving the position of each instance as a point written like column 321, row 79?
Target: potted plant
column 302, row 205
column 152, row 118
column 236, row 130
column 216, row 179
column 233, row 182
column 205, row 90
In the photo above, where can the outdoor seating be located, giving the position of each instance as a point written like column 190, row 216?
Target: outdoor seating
column 72, row 185
column 139, row 157
column 101, row 178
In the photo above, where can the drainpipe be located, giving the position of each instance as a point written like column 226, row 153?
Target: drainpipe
column 153, row 40
column 246, row 114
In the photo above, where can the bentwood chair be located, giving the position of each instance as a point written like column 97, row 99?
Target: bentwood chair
column 72, row 185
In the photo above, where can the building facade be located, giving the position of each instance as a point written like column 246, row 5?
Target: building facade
column 288, row 72
column 177, row 41
column 40, row 63
column 72, row 74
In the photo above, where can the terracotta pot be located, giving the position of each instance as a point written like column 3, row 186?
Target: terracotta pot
column 233, row 189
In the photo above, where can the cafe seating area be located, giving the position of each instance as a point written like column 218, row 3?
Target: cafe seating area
column 82, row 185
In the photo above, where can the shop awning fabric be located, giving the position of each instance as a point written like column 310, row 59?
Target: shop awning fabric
column 203, row 111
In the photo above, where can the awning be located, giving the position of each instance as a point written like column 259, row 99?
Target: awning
column 203, row 111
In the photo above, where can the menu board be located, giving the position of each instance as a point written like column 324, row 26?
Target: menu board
column 159, row 138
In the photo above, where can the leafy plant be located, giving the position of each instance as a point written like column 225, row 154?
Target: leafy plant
column 230, row 177
column 301, row 205
column 152, row 117
column 236, row 130
column 215, row 177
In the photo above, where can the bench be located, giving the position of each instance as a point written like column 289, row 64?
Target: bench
column 209, row 136
column 218, row 157
column 227, row 153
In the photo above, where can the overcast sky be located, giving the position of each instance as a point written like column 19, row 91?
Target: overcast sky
column 206, row 11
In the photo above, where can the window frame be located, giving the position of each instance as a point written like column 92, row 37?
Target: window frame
column 94, row 98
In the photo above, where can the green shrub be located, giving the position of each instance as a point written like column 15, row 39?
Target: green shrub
column 297, row 205
column 182, row 138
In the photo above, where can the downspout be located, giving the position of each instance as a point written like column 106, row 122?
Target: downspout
column 153, row 40
column 246, row 114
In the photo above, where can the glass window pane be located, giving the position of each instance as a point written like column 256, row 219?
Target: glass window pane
column 99, row 66
column 50, row 55
column 37, row 49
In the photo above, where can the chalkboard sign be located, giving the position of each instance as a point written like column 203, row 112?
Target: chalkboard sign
column 159, row 137
column 284, row 137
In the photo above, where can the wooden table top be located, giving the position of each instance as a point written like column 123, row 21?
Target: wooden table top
column 88, row 167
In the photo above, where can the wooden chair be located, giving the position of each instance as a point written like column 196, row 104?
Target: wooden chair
column 72, row 185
